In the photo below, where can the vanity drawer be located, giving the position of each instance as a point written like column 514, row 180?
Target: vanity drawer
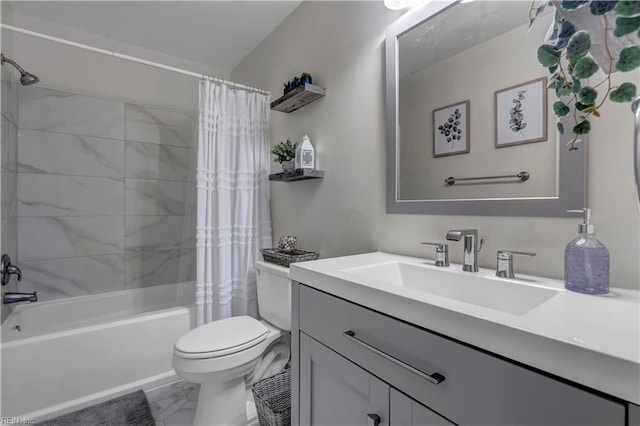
column 477, row 388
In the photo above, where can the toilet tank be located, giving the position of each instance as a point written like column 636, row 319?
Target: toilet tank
column 274, row 294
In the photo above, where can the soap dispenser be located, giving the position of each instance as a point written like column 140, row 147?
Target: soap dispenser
column 586, row 260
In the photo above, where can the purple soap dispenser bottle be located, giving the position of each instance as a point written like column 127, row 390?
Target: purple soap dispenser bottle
column 586, row 260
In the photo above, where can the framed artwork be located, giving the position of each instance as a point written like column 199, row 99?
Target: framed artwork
column 451, row 129
column 521, row 113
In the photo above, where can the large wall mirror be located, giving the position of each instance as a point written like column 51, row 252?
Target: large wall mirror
column 469, row 127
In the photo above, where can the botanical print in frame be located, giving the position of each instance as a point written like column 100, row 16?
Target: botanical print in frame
column 521, row 113
column 451, row 129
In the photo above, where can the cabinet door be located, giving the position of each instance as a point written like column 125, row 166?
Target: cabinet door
column 335, row 391
column 404, row 411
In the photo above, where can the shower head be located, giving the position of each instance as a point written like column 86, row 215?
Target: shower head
column 26, row 78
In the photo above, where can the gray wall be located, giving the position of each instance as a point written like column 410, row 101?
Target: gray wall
column 341, row 45
column 102, row 194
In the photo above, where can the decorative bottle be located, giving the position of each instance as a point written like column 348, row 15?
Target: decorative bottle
column 586, row 260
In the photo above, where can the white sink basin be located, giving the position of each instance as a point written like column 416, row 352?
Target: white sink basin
column 489, row 291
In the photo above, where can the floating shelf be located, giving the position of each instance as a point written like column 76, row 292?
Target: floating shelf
column 298, row 174
column 298, row 97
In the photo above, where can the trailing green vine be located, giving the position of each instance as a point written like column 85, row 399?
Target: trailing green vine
column 568, row 57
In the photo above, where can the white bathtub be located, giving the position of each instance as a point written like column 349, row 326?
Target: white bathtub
column 84, row 350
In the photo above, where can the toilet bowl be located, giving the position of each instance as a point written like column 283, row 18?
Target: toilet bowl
column 219, row 354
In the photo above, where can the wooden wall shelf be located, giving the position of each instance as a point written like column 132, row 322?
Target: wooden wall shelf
column 298, row 97
column 298, row 174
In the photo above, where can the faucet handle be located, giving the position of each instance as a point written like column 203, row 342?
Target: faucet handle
column 508, row 253
column 7, row 269
column 442, row 253
column 504, row 268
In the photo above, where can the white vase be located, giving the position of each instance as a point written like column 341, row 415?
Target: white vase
column 288, row 166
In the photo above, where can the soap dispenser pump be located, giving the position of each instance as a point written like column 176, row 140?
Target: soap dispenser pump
column 586, row 260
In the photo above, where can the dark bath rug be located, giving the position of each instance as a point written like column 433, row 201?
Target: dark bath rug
column 131, row 409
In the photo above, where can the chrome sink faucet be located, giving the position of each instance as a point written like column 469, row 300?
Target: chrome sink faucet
column 471, row 248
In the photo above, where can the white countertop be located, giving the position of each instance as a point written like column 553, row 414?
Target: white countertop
column 591, row 340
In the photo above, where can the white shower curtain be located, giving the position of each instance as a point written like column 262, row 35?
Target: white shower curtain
column 233, row 218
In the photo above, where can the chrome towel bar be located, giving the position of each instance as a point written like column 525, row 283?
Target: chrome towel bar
column 522, row 176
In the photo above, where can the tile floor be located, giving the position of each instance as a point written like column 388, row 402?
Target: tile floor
column 175, row 404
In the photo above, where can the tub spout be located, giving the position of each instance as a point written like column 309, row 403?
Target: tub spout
column 12, row 297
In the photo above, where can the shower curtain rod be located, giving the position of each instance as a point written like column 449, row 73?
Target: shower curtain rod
column 131, row 58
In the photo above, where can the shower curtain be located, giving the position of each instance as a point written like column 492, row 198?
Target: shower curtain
column 233, row 219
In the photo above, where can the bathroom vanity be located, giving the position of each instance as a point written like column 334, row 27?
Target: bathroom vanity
column 376, row 342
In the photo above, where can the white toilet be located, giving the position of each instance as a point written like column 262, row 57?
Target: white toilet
column 219, row 354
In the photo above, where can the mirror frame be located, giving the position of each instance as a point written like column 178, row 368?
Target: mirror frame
column 571, row 166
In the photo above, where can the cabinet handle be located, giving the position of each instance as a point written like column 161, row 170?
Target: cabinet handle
column 435, row 378
column 373, row 420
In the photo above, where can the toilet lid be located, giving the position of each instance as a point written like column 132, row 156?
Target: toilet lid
column 222, row 337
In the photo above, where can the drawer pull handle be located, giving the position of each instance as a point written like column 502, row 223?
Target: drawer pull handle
column 373, row 420
column 435, row 378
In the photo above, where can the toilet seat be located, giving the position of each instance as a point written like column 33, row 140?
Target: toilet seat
column 222, row 337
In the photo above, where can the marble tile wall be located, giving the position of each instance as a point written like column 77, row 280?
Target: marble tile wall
column 8, row 178
column 105, row 196
column 159, row 196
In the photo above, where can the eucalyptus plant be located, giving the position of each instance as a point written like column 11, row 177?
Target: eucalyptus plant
column 568, row 55
column 284, row 151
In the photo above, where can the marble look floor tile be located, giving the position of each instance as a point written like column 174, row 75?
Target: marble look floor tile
column 9, row 145
column 192, row 391
column 165, row 391
column 160, row 126
column 153, row 161
column 72, row 155
column 150, row 268
column 64, row 112
column 165, row 408
column 183, row 417
column 157, row 232
column 166, row 400
column 73, row 276
column 56, row 195
column 55, row 237
column 152, row 197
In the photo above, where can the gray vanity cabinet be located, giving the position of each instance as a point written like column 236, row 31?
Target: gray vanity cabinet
column 352, row 361
column 404, row 411
column 336, row 392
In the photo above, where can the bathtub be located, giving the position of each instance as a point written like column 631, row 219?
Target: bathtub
column 80, row 351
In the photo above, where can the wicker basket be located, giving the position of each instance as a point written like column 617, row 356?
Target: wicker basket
column 285, row 259
column 273, row 399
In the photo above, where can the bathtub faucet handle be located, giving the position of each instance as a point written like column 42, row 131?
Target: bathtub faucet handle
column 7, row 269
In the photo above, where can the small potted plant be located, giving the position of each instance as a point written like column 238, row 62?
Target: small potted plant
column 305, row 78
column 296, row 82
column 285, row 153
